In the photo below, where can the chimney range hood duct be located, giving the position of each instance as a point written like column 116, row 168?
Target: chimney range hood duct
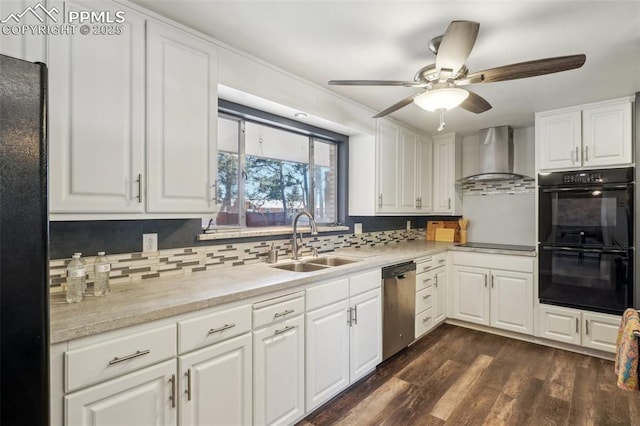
column 496, row 156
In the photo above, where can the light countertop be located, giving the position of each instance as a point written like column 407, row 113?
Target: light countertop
column 157, row 298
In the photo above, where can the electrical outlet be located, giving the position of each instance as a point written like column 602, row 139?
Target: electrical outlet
column 149, row 242
column 357, row 228
column 408, row 225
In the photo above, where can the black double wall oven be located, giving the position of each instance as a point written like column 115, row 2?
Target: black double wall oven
column 585, row 242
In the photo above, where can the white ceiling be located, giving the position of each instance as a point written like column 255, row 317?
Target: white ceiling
column 321, row 40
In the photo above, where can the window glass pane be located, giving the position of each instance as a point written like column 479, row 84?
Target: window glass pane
column 325, row 157
column 277, row 175
column 228, row 139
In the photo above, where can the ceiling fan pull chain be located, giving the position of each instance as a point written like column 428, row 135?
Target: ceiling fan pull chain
column 441, row 127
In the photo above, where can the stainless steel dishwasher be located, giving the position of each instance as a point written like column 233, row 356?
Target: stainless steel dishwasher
column 398, row 307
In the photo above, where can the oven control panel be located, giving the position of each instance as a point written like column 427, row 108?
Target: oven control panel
column 582, row 177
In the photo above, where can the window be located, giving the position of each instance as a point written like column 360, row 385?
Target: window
column 267, row 174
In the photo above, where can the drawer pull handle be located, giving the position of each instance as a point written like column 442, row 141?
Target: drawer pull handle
column 128, row 357
column 284, row 330
column 283, row 313
column 219, row 329
column 173, row 391
column 425, row 319
column 426, row 280
column 442, row 260
column 426, row 296
column 188, row 391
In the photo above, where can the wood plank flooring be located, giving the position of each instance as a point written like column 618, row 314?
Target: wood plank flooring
column 457, row 376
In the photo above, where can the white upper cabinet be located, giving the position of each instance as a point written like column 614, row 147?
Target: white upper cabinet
column 29, row 47
column 182, row 109
column 387, row 155
column 588, row 136
column 559, row 137
column 424, row 174
column 401, row 167
column 96, row 117
column 606, row 134
column 447, row 169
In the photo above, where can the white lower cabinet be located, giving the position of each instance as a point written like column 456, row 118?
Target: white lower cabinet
column 143, row 397
column 327, row 366
column 431, row 282
column 344, row 334
column 495, row 297
column 587, row 329
column 365, row 333
column 278, row 360
column 216, row 384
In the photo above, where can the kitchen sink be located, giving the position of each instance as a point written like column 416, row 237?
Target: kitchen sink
column 332, row 261
column 300, row 267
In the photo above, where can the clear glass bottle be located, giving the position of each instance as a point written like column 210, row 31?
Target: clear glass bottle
column 101, row 268
column 76, row 279
column 84, row 262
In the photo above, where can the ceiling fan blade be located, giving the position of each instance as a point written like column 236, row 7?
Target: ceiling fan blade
column 525, row 69
column 456, row 45
column 403, row 103
column 475, row 103
column 374, row 83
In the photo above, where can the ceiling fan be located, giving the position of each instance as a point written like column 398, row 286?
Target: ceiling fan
column 441, row 82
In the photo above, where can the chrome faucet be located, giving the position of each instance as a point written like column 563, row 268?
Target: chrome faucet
column 294, row 243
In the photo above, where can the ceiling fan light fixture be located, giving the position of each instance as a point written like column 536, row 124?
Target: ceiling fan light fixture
column 444, row 98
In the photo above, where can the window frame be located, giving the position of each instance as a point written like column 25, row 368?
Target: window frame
column 243, row 114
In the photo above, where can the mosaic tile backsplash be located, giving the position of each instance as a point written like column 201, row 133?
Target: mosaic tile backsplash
column 130, row 267
column 517, row 186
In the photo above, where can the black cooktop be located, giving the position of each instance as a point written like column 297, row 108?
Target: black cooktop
column 497, row 246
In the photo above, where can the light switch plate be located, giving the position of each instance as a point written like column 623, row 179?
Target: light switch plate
column 149, row 242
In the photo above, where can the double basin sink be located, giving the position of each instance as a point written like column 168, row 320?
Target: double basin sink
column 315, row 264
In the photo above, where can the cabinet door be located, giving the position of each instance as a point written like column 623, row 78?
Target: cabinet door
column 471, row 294
column 561, row 324
column 439, row 295
column 606, row 133
column 512, row 301
column 600, row 331
column 279, row 373
column 424, row 175
column 407, row 172
column 144, row 397
column 365, row 333
column 182, row 121
column 28, row 46
column 327, row 352
column 96, row 116
column 216, row 384
column 387, row 151
column 443, row 175
column 559, row 140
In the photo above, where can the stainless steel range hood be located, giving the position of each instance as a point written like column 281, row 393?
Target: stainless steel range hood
column 496, row 156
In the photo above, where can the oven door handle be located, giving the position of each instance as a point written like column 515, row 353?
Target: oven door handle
column 584, row 188
column 586, row 250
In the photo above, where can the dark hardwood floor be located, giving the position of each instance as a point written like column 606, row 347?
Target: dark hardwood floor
column 457, row 376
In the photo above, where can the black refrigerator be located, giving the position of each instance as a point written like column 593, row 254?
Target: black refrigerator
column 24, row 230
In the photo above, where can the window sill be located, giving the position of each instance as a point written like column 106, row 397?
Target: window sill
column 264, row 232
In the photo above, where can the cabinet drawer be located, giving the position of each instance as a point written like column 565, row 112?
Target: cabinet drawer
column 327, row 294
column 278, row 308
column 213, row 328
column 365, row 282
column 423, row 265
column 424, row 322
column 424, row 280
column 424, row 299
column 430, row 262
column 118, row 356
